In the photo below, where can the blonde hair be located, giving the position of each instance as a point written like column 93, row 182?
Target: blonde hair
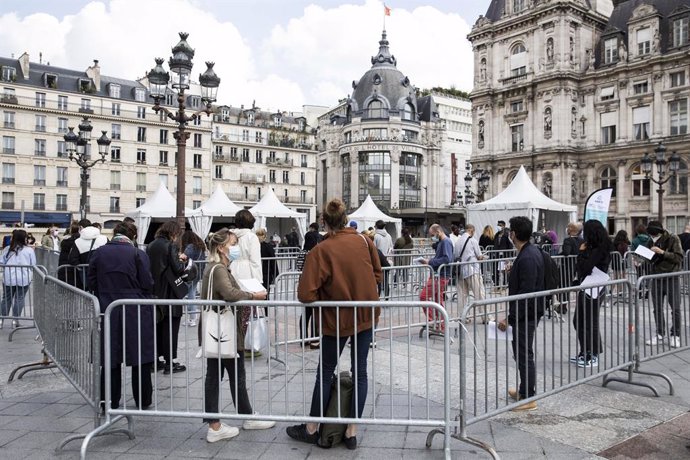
column 220, row 238
column 574, row 228
column 370, row 234
column 261, row 234
column 488, row 231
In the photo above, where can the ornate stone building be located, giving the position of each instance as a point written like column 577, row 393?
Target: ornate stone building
column 578, row 91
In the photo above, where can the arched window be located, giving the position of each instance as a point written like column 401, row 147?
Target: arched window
column 376, row 109
column 608, row 179
column 678, row 184
column 518, row 60
column 509, row 178
column 640, row 183
column 408, row 112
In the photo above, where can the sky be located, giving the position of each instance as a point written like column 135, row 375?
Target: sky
column 281, row 54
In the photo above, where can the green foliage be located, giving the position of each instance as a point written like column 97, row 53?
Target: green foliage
column 452, row 91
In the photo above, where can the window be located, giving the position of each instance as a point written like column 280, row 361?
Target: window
column 115, row 154
column 518, row 60
column 678, row 184
column 408, row 112
column 115, row 109
column 141, row 134
column 169, row 99
column 245, row 135
column 302, row 196
column 303, row 162
column 250, row 118
column 61, row 149
column 8, row 173
column 641, row 117
column 196, row 121
column 140, row 94
column 197, row 160
column 286, row 177
column 62, row 125
column 245, row 155
column 233, row 153
column 40, row 99
column 259, row 137
column 114, row 90
column 640, row 183
column 115, row 204
column 39, row 175
column 194, row 102
column 9, row 73
column 62, row 102
column 197, row 140
column 41, row 123
column 376, row 109
column 164, row 136
column 9, row 120
column 641, row 87
column 607, row 93
column 60, row 202
column 272, row 176
column 271, row 156
column 115, row 131
column 680, row 32
column 50, row 80
column 302, row 178
column 163, row 157
column 374, row 176
column 141, row 156
column 677, row 79
column 196, row 204
column 40, row 147
column 39, row 201
column 7, row 200
column 141, row 112
column 141, row 182
column 139, row 202
column 644, row 41
column 8, row 144
column 610, row 50
column 375, row 133
column 196, row 184
column 516, row 106
column 259, row 156
column 678, row 114
column 517, row 139
column 163, row 178
column 218, row 172
column 85, row 85
column 301, row 124
column 86, row 104
column 608, row 127
column 518, row 5
column 115, row 180
column 61, row 177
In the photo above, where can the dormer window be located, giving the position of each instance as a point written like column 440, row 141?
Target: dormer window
column 85, row 86
column 169, row 99
column 610, row 50
column 277, row 120
column 408, row 112
column 195, row 101
column 518, row 60
column 518, row 5
column 681, row 37
column 114, row 90
column 9, row 73
column 250, row 118
column 50, row 80
column 644, row 41
column 225, row 114
column 140, row 94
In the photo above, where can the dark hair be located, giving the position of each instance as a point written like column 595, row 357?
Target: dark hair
column 97, row 225
column 334, row 214
column 189, row 237
column 522, row 227
column 128, row 219
column 641, row 229
column 596, row 235
column 654, row 227
column 85, row 223
column 314, row 226
column 169, row 230
column 502, row 222
column 380, row 224
column 622, row 235
column 18, row 240
column 127, row 229
column 406, row 234
column 73, row 229
column 453, row 228
column 244, row 219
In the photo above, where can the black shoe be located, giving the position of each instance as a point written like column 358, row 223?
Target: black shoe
column 299, row 433
column 176, row 367
column 350, row 443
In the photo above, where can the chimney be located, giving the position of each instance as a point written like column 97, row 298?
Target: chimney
column 94, row 73
column 24, row 64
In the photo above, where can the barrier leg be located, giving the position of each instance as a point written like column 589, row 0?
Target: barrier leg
column 102, row 430
column 629, row 380
column 20, row 328
column 462, row 436
column 46, row 363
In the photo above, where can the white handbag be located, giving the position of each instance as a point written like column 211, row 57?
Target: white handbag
column 256, row 338
column 219, row 335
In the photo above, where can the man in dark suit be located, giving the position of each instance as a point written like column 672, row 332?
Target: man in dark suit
column 312, row 237
column 526, row 275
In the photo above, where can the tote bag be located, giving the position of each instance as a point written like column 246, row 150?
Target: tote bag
column 219, row 337
column 256, row 338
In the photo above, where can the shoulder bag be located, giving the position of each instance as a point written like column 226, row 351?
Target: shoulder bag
column 219, row 335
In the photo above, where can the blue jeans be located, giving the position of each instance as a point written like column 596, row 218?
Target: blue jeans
column 191, row 309
column 13, row 295
column 331, row 349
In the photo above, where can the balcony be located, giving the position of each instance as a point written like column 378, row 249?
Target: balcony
column 40, row 128
column 290, row 144
column 115, row 136
column 226, row 157
column 40, row 182
column 8, row 180
column 252, row 178
column 8, row 205
column 9, row 125
column 296, row 199
column 39, row 207
column 251, row 197
column 61, row 183
column 40, row 153
column 114, row 209
column 279, row 162
column 61, row 207
column 9, row 99
column 62, row 130
column 8, row 150
column 141, row 188
column 515, row 80
column 62, row 155
column 114, row 186
column 86, row 110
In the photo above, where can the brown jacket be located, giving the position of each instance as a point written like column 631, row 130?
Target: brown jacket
column 345, row 266
column 225, row 287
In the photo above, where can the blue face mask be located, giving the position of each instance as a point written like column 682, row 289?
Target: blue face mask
column 434, row 238
column 234, row 253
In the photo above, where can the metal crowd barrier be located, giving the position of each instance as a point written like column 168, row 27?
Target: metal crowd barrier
column 287, row 251
column 74, row 275
column 48, row 259
column 409, row 379
column 18, row 298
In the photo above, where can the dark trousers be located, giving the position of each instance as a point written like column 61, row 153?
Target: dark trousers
column 669, row 288
column 331, row 349
column 238, row 384
column 116, row 386
column 586, row 323
column 168, row 330
column 310, row 331
column 523, row 353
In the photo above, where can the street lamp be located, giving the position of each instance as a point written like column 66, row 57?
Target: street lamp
column 661, row 162
column 180, row 64
column 77, row 148
column 426, row 209
column 469, row 194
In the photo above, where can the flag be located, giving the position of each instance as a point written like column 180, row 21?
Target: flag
column 386, row 10
column 597, row 205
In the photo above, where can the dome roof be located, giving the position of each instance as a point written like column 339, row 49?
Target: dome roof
column 383, row 82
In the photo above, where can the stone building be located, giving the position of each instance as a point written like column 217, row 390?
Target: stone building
column 578, row 91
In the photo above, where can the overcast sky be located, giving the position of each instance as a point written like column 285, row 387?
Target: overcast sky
column 281, row 53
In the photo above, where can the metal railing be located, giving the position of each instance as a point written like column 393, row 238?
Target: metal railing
column 18, row 298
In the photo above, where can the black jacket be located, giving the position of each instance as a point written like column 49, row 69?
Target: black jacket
column 311, row 239
column 672, row 258
column 592, row 257
column 526, row 275
column 685, row 241
column 501, row 241
column 67, row 274
column 162, row 254
column 571, row 246
column 269, row 265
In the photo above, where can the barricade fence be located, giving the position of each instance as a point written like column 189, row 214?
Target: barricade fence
column 18, row 297
column 48, row 259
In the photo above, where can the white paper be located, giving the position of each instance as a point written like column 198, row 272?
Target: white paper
column 417, row 260
column 494, row 333
column 645, row 252
column 251, row 285
column 595, row 278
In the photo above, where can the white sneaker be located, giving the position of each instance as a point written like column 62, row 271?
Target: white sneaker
column 258, row 424
column 675, row 341
column 224, row 432
column 655, row 340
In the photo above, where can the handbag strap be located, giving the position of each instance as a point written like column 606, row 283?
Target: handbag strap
column 209, row 288
column 463, row 249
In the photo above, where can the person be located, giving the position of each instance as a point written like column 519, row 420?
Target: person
column 51, row 240
column 345, row 266
column 16, row 279
column 467, row 252
column 454, row 234
column 487, row 238
column 382, row 240
column 275, row 239
column 526, row 275
column 668, row 257
column 164, row 255
column 573, row 240
column 293, row 238
column 382, row 286
column 502, row 245
column 685, row 238
column 552, row 236
column 641, row 238
column 404, row 244
column 66, row 274
column 443, row 256
column 312, row 237
column 594, row 252
column 6, row 240
column 118, row 270
column 89, row 240
column 353, row 224
column 223, row 251
column 501, row 239
column 621, row 244
column 269, row 264
column 30, row 240
column 195, row 250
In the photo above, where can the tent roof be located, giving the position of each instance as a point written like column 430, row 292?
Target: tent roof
column 160, row 204
column 270, row 206
column 369, row 211
column 218, row 205
column 522, row 194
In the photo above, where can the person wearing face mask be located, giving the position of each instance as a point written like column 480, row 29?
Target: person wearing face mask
column 51, row 240
column 444, row 255
column 223, row 251
column 668, row 257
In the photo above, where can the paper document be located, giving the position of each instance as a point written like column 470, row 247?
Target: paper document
column 494, row 333
column 645, row 252
column 251, row 285
column 597, row 277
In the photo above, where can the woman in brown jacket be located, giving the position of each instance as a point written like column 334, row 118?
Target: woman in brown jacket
column 223, row 249
column 344, row 266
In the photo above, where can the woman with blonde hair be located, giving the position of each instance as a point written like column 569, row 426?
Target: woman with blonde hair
column 487, row 237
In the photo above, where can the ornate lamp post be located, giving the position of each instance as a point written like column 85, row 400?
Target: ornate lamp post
column 76, row 147
column 661, row 162
column 483, row 178
column 180, row 64
column 469, row 194
column 426, row 209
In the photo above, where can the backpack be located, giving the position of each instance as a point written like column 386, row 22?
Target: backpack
column 552, row 275
column 331, row 434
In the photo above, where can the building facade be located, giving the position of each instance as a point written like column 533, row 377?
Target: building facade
column 578, row 91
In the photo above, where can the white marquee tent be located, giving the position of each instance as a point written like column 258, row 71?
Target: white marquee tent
column 522, row 198
column 218, row 205
column 274, row 216
column 367, row 215
column 160, row 206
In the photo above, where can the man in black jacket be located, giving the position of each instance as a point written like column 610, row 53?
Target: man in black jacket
column 526, row 275
column 312, row 237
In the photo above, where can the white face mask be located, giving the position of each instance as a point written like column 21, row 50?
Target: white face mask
column 234, row 252
column 656, row 238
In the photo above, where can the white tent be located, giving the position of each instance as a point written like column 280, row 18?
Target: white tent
column 218, row 205
column 367, row 215
column 161, row 205
column 522, row 198
column 270, row 207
